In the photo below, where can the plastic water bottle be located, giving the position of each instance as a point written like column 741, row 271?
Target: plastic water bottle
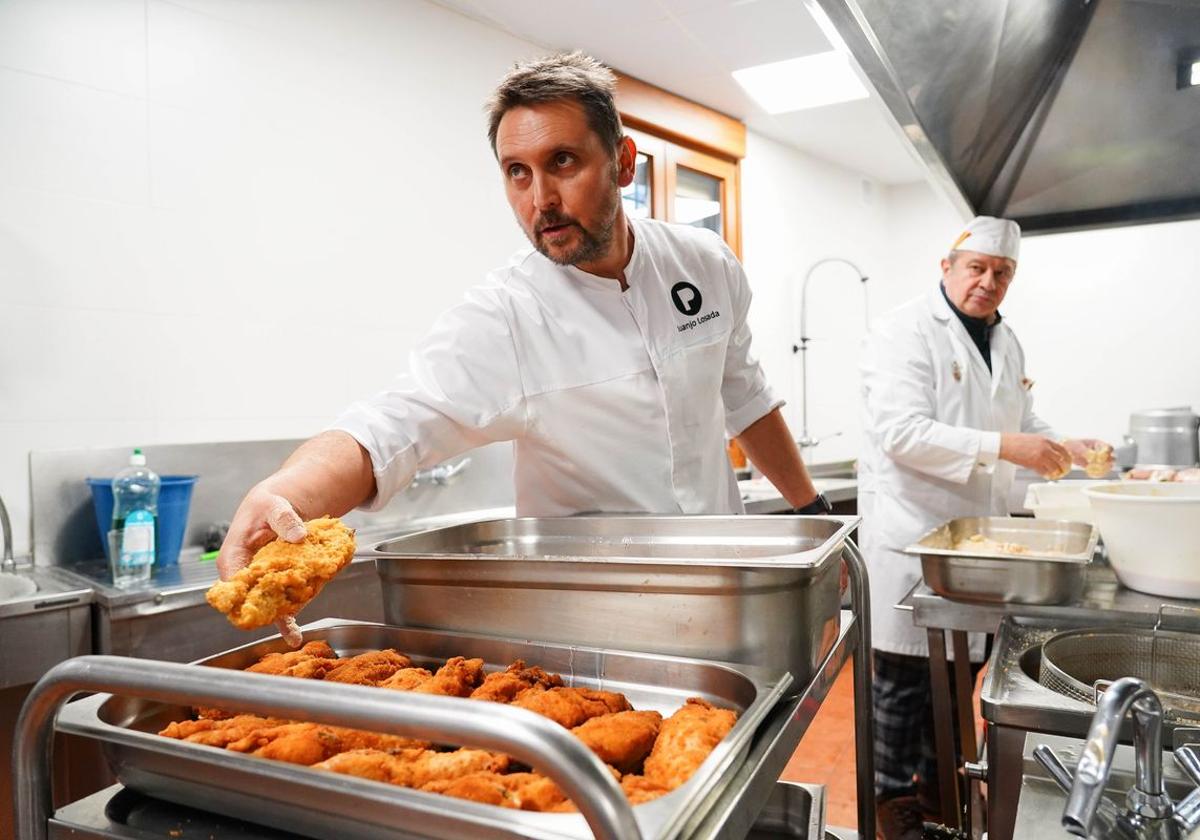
column 135, row 520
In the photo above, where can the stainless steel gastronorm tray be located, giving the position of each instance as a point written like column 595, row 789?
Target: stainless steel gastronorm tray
column 761, row 590
column 1036, row 577
column 314, row 803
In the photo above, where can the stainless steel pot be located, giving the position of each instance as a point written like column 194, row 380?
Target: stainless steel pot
column 1165, row 437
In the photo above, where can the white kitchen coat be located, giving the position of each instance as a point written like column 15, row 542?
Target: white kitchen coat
column 617, row 401
column 932, row 421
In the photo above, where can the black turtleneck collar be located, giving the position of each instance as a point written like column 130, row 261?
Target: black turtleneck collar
column 979, row 329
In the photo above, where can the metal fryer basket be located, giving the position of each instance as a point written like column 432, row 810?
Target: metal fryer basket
column 1073, row 662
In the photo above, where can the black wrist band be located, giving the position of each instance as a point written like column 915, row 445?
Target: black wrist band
column 817, row 507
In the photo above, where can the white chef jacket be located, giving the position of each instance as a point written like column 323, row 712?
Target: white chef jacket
column 616, row 401
column 933, row 416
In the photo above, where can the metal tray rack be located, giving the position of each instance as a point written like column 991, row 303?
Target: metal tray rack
column 722, row 799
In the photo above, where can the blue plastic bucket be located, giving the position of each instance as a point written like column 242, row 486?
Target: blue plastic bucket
column 174, row 498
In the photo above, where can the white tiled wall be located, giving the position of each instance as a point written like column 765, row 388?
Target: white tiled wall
column 225, row 220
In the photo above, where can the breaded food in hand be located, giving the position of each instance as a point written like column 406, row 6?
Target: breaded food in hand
column 414, row 768
column 505, row 686
column 1099, row 461
column 622, row 739
column 284, row 576
column 570, row 707
column 370, row 668
column 685, row 740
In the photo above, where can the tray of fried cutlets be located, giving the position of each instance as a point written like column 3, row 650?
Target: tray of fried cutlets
column 670, row 730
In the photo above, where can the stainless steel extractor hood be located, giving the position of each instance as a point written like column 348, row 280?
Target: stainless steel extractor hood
column 1061, row 114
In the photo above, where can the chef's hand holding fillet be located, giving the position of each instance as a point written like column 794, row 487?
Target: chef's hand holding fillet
column 615, row 352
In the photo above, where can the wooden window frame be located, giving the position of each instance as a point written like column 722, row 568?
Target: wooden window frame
column 673, row 132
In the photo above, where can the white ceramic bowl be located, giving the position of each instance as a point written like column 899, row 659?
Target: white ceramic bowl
column 1061, row 500
column 1152, row 532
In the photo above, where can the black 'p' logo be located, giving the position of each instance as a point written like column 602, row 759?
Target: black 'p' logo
column 686, row 298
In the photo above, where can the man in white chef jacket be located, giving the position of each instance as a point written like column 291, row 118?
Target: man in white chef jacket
column 948, row 418
column 615, row 352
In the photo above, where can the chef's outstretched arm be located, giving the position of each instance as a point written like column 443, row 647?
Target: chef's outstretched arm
column 769, row 445
column 329, row 474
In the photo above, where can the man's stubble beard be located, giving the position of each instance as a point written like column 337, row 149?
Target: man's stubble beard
column 594, row 244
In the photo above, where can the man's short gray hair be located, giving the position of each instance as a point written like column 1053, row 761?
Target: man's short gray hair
column 572, row 75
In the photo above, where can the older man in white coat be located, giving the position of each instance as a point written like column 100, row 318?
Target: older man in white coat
column 948, row 419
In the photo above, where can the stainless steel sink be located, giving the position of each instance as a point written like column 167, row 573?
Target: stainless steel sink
column 14, row 586
column 44, row 619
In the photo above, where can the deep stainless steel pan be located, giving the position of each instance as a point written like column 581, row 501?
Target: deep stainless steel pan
column 1050, row 572
column 313, row 803
column 761, row 590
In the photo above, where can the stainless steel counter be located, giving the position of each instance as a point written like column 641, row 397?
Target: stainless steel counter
column 55, row 589
column 1012, row 702
column 1103, row 601
column 760, row 497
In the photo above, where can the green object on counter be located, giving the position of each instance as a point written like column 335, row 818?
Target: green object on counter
column 209, row 555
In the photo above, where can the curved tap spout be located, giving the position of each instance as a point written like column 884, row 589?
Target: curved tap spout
column 1147, row 798
column 6, row 561
column 807, row 440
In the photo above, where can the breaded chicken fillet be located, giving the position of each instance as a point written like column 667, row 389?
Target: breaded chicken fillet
column 284, row 576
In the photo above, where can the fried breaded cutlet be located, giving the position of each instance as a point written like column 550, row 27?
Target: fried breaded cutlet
column 507, row 685
column 370, row 668
column 457, row 678
column 685, row 740
column 522, row 791
column 639, row 789
column 570, row 707
column 622, row 739
column 218, row 733
column 414, row 768
column 284, row 740
column 310, row 662
column 284, row 576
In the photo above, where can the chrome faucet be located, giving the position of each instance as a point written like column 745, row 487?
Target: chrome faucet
column 7, row 563
column 1149, row 813
column 1146, row 798
column 807, row 441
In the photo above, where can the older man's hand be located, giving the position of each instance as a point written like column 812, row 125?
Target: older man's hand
column 1095, row 456
column 1037, row 453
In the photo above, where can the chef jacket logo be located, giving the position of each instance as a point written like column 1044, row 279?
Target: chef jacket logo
column 686, row 298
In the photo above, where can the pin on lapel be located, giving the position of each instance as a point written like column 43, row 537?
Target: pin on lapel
column 1026, row 383
column 956, row 371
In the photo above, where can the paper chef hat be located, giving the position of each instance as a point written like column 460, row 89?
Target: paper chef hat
column 991, row 236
